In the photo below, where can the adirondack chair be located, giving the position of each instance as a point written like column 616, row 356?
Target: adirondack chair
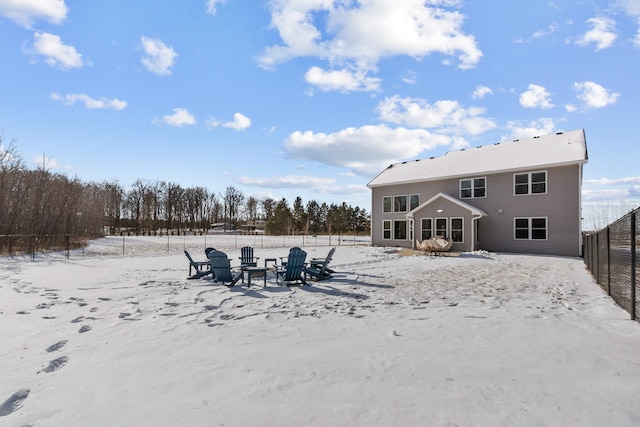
column 293, row 270
column 201, row 268
column 222, row 271
column 283, row 259
column 246, row 257
column 319, row 267
column 207, row 250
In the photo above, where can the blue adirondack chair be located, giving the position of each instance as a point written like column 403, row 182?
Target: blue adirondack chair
column 207, row 250
column 201, row 268
column 246, row 257
column 319, row 267
column 293, row 270
column 221, row 268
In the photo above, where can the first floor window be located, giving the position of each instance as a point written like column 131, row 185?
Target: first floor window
column 386, row 230
column 386, row 204
column 425, row 228
column 441, row 227
column 457, row 232
column 400, row 230
column 530, row 228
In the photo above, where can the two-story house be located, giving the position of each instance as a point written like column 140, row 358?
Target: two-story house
column 521, row 196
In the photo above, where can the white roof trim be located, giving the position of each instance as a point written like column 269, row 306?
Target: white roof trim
column 474, row 211
column 555, row 150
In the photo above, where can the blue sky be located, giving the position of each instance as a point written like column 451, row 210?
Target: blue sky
column 313, row 98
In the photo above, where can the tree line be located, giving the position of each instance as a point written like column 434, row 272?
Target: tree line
column 49, row 206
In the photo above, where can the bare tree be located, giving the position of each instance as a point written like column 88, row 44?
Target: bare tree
column 233, row 200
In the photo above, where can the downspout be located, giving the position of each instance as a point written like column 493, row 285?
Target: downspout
column 412, row 231
column 473, row 231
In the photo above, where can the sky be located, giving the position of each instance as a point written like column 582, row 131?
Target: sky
column 313, row 98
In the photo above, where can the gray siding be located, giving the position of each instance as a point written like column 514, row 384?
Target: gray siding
column 560, row 205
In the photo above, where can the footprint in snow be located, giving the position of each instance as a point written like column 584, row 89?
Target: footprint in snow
column 57, row 346
column 55, row 364
column 13, row 403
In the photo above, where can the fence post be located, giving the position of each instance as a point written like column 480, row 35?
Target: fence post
column 633, row 266
column 609, row 261
column 67, row 243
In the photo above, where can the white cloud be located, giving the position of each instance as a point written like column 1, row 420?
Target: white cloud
column 445, row 116
column 179, row 118
column 593, row 95
column 212, row 6
column 315, row 184
column 615, row 181
column 25, row 12
column 410, row 77
column 552, row 29
column 56, row 53
column 240, row 122
column 91, row 103
column 290, row 181
column 602, row 34
column 360, row 34
column 535, row 97
column 365, row 150
column 630, row 7
column 342, row 80
column 542, row 126
column 158, row 57
column 481, row 91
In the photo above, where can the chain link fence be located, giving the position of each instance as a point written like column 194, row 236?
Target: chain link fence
column 131, row 245
column 611, row 255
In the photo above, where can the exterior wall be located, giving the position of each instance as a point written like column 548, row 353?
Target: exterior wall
column 560, row 205
column 448, row 210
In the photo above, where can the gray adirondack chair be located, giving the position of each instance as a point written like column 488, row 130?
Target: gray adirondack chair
column 246, row 257
column 222, row 271
column 201, row 268
column 319, row 267
column 293, row 270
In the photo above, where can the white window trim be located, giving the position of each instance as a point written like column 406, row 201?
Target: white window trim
column 529, row 193
column 451, row 228
column 530, row 218
column 422, row 229
column 390, row 204
column 393, row 206
column 473, row 193
column 435, row 226
column 393, row 230
column 409, row 201
column 384, row 221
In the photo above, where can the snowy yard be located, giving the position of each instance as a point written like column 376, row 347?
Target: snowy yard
column 393, row 338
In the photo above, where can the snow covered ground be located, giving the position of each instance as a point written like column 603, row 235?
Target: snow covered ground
column 394, row 338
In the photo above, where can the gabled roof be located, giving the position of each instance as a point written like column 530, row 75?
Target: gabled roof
column 474, row 211
column 560, row 149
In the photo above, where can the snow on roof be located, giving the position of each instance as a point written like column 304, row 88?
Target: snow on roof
column 562, row 148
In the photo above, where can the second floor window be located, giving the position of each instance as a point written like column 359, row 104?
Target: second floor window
column 414, row 201
column 386, row 204
column 530, row 183
column 399, row 203
column 473, row 188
